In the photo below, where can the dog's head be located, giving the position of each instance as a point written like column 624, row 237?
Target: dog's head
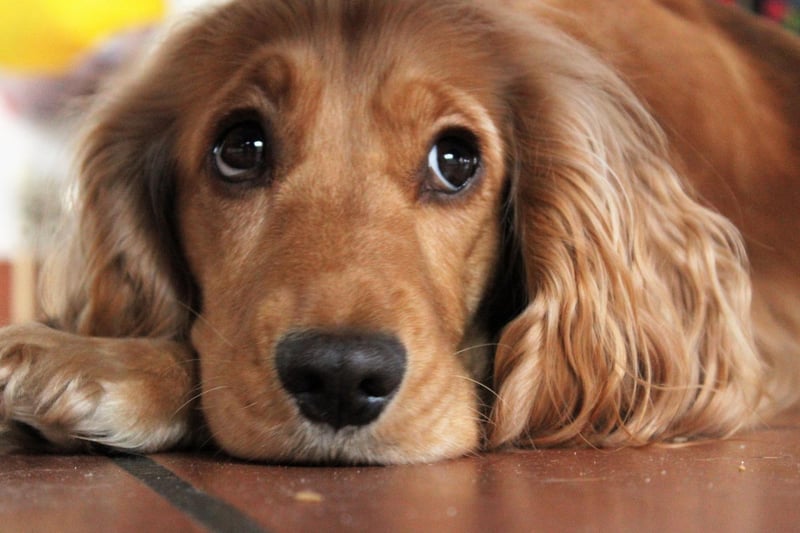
column 404, row 229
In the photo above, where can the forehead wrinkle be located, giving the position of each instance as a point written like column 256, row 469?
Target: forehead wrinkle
column 277, row 71
column 429, row 106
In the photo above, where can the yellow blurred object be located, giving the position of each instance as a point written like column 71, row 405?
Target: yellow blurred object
column 47, row 36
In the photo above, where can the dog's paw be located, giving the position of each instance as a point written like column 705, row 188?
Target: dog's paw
column 66, row 392
column 45, row 403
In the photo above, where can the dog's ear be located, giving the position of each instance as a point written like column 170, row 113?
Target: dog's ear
column 637, row 323
column 122, row 276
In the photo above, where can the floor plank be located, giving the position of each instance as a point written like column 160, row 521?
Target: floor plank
column 80, row 494
column 750, row 483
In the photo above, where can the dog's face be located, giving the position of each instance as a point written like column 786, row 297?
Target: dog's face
column 339, row 199
column 348, row 207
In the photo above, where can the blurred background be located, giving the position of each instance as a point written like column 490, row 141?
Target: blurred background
column 54, row 56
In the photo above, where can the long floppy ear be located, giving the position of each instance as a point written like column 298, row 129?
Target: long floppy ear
column 638, row 318
column 118, row 277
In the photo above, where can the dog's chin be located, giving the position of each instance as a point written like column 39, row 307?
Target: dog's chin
column 319, row 444
column 307, row 443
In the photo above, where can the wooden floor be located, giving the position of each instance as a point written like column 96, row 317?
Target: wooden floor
column 750, row 483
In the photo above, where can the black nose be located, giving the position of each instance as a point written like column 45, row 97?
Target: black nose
column 341, row 379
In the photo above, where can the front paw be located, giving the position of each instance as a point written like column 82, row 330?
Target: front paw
column 65, row 392
column 44, row 409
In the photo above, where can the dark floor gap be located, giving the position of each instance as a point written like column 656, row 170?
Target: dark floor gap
column 212, row 513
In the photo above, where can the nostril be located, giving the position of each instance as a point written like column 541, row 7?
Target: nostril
column 378, row 386
column 341, row 379
column 371, row 388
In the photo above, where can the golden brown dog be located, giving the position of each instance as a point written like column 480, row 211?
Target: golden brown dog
column 399, row 231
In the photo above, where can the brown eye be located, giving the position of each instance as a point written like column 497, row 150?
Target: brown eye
column 454, row 161
column 240, row 154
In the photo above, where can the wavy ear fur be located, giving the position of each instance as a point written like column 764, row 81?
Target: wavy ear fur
column 638, row 318
column 115, row 280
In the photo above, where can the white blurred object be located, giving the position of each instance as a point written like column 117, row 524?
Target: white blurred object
column 181, row 6
column 16, row 141
column 35, row 126
column 39, row 117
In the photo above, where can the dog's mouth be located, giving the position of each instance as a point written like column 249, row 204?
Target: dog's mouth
column 314, row 444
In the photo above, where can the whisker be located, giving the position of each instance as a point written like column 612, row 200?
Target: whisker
column 480, row 416
column 483, row 386
column 200, row 393
column 477, row 347
column 484, row 345
column 209, row 439
column 205, row 321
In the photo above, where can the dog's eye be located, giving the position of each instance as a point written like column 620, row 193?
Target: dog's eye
column 454, row 161
column 240, row 154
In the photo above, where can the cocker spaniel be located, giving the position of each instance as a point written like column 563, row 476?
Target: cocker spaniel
column 399, row 231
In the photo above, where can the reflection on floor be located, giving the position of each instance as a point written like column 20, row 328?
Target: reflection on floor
column 749, row 483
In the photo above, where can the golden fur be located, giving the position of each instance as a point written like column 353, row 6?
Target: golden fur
column 588, row 287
